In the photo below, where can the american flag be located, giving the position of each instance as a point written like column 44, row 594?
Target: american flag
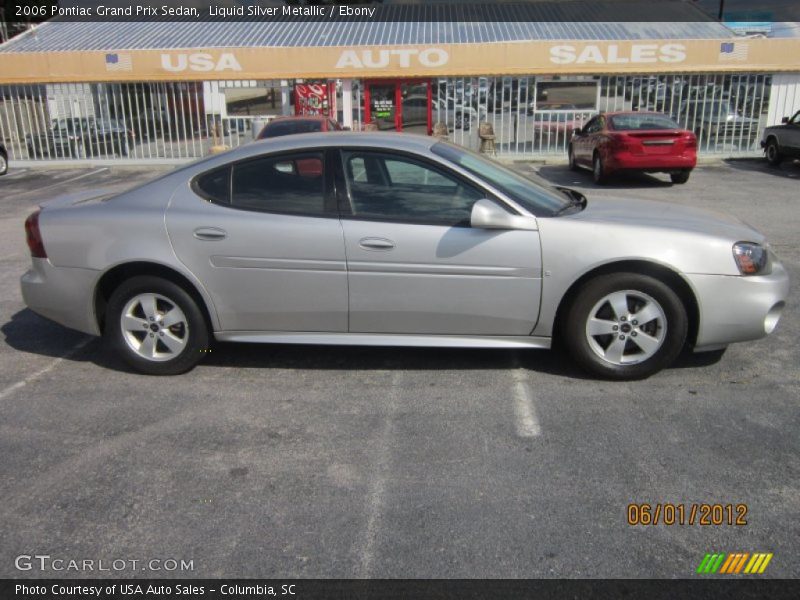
column 119, row 62
column 732, row 51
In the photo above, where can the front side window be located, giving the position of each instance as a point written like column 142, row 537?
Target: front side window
column 289, row 183
column 534, row 193
column 593, row 125
column 393, row 187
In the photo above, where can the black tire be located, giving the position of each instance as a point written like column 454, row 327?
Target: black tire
column 573, row 166
column 575, row 320
column 598, row 169
column 773, row 152
column 196, row 336
column 681, row 176
column 3, row 163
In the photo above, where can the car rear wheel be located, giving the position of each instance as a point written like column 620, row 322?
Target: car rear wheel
column 680, row 176
column 3, row 164
column 598, row 170
column 773, row 152
column 156, row 326
column 625, row 326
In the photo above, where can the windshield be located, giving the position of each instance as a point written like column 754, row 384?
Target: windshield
column 642, row 121
column 532, row 192
column 721, row 109
column 290, row 127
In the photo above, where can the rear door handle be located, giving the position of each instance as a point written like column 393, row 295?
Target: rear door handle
column 373, row 243
column 210, row 234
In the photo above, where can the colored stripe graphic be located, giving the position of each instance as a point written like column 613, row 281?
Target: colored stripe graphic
column 734, row 563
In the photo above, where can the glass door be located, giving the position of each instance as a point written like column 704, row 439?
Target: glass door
column 399, row 105
column 415, row 107
column 381, row 101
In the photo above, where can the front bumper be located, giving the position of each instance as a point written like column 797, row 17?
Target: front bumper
column 739, row 308
column 61, row 294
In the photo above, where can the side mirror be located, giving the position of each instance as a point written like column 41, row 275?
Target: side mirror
column 488, row 215
column 785, row 120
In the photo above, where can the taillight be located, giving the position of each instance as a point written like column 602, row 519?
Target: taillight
column 690, row 140
column 619, row 141
column 34, row 236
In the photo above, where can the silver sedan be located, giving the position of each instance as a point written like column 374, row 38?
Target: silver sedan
column 394, row 240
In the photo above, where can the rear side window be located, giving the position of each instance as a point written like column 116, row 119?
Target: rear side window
column 289, row 183
column 215, row 186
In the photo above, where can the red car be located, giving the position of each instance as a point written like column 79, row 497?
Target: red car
column 633, row 141
column 298, row 124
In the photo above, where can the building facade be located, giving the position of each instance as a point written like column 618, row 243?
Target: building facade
column 169, row 91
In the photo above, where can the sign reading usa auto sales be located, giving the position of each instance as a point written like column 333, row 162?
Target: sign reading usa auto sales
column 538, row 57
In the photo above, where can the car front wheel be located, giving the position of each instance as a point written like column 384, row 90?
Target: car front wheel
column 598, row 170
column 625, row 326
column 156, row 326
column 3, row 164
column 773, row 152
column 571, row 157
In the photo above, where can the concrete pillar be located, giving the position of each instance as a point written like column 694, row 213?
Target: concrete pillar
column 347, row 103
column 286, row 107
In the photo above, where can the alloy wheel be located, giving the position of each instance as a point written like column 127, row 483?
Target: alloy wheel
column 154, row 327
column 626, row 327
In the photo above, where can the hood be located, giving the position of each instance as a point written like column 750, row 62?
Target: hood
column 668, row 216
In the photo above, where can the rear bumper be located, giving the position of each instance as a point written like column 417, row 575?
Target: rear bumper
column 649, row 162
column 738, row 308
column 64, row 295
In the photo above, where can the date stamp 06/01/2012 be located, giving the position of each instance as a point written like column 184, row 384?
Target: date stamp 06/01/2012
column 703, row 514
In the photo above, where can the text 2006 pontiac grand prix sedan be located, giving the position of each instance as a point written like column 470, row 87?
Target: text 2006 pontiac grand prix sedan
column 394, row 240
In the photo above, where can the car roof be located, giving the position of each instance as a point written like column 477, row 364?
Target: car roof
column 409, row 142
column 285, row 118
column 634, row 112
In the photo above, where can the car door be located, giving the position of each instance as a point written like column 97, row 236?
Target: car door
column 793, row 134
column 264, row 237
column 415, row 266
column 582, row 146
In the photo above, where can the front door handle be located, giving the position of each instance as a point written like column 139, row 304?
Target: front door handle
column 210, row 234
column 374, row 243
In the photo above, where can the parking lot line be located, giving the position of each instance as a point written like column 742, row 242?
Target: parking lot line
column 527, row 422
column 46, row 369
column 377, row 490
column 63, row 181
column 15, row 174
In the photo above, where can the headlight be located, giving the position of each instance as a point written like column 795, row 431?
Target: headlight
column 751, row 258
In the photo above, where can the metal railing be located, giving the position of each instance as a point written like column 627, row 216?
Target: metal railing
column 536, row 115
column 529, row 115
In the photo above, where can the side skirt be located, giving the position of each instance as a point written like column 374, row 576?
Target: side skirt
column 384, row 339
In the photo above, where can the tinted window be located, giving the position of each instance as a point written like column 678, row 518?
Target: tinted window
column 593, row 125
column 284, row 184
column 642, row 121
column 394, row 188
column 215, row 186
column 290, row 127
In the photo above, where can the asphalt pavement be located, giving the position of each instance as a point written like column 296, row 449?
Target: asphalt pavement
column 291, row 461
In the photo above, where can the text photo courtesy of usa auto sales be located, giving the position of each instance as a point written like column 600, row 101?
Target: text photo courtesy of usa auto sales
column 393, row 299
